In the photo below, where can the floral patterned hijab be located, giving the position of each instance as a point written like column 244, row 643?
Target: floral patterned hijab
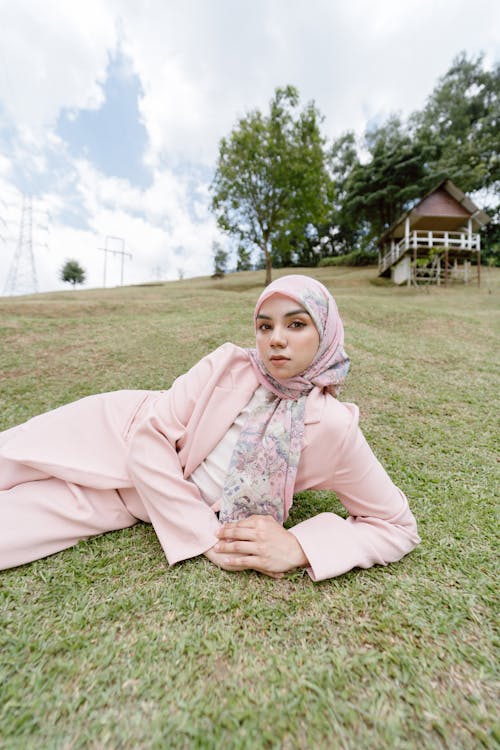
column 264, row 462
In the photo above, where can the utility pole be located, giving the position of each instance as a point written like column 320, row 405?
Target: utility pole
column 106, row 249
column 22, row 278
column 157, row 273
column 4, row 223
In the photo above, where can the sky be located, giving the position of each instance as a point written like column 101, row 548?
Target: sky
column 111, row 112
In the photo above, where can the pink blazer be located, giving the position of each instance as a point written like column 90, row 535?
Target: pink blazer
column 146, row 444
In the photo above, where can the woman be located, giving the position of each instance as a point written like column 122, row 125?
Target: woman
column 214, row 461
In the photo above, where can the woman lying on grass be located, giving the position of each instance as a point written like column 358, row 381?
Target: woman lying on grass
column 213, row 462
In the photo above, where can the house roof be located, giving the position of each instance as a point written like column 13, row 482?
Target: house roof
column 445, row 215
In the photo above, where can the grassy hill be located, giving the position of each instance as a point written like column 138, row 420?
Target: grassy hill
column 103, row 646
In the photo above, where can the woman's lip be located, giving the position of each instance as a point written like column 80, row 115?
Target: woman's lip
column 279, row 359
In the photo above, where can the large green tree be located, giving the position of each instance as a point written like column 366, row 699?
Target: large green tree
column 345, row 228
column 393, row 173
column 271, row 182
column 460, row 124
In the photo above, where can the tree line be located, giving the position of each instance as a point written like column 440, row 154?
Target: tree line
column 280, row 187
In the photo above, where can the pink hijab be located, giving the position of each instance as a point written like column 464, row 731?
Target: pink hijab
column 263, row 467
column 330, row 366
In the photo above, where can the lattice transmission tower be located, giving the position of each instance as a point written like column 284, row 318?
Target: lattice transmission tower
column 22, row 278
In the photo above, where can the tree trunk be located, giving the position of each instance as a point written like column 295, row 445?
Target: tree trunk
column 269, row 265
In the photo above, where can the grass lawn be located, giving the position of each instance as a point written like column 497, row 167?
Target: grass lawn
column 104, row 646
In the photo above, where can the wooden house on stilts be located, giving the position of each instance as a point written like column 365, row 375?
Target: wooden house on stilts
column 436, row 241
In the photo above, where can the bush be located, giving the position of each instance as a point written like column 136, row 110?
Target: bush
column 355, row 258
column 73, row 273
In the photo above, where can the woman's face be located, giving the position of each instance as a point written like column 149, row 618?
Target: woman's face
column 287, row 339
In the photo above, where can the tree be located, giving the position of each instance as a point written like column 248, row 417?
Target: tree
column 344, row 229
column 395, row 174
column 371, row 192
column 244, row 261
column 271, row 181
column 73, row 273
column 220, row 259
column 460, row 122
column 460, row 125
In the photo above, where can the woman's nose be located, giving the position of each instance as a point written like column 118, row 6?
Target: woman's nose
column 278, row 336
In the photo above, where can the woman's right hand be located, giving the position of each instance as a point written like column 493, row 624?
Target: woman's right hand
column 223, row 560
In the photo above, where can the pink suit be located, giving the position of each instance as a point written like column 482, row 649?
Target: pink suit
column 106, row 461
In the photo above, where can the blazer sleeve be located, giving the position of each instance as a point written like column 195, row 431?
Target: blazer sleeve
column 184, row 523
column 380, row 528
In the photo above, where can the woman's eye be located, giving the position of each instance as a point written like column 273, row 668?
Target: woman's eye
column 264, row 327
column 297, row 324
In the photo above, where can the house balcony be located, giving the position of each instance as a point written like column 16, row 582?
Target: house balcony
column 423, row 242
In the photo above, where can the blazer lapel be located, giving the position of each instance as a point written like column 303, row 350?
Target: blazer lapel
column 226, row 402
column 315, row 403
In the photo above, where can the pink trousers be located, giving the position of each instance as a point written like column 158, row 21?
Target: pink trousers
column 40, row 515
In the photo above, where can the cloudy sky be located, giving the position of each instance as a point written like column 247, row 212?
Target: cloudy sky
column 111, row 111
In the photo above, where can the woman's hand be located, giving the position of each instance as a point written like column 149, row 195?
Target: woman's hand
column 228, row 562
column 257, row 543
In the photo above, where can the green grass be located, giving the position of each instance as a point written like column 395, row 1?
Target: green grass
column 104, row 646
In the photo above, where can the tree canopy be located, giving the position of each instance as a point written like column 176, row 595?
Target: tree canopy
column 73, row 273
column 460, row 125
column 220, row 259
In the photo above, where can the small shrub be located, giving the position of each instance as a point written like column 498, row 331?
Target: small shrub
column 73, row 273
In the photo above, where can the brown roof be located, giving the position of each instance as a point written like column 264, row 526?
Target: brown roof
column 444, row 208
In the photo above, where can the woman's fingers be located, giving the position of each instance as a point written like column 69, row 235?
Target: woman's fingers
column 237, row 546
column 235, row 531
column 248, row 529
column 251, row 562
column 233, row 563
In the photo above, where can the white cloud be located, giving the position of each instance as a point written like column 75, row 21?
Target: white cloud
column 204, row 64
column 5, row 167
column 113, row 204
column 201, row 64
column 156, row 224
column 54, row 55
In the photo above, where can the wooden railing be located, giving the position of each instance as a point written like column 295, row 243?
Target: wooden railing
column 430, row 240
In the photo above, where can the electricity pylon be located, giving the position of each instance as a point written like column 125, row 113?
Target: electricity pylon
column 22, row 278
